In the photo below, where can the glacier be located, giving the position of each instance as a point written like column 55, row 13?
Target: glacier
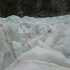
column 31, row 43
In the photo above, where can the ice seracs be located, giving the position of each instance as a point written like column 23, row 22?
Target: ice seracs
column 35, row 43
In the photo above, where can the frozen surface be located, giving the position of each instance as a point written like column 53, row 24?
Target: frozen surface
column 30, row 43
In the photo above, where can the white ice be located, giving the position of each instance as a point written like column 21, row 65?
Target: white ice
column 30, row 43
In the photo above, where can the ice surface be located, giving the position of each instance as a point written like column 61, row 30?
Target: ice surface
column 30, row 43
column 40, row 59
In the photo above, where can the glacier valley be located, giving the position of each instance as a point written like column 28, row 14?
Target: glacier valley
column 30, row 43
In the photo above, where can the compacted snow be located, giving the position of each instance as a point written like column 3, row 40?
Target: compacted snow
column 30, row 43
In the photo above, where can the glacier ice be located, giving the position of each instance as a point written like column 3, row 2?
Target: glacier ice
column 39, row 59
column 35, row 43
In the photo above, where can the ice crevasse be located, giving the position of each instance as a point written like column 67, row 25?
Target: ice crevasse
column 30, row 43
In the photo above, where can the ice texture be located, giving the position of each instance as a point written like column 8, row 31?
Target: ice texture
column 30, row 43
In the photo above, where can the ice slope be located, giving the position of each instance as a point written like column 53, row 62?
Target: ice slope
column 40, row 59
column 35, row 43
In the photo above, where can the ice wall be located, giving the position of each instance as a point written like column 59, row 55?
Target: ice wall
column 44, row 42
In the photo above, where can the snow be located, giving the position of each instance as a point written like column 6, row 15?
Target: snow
column 30, row 43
